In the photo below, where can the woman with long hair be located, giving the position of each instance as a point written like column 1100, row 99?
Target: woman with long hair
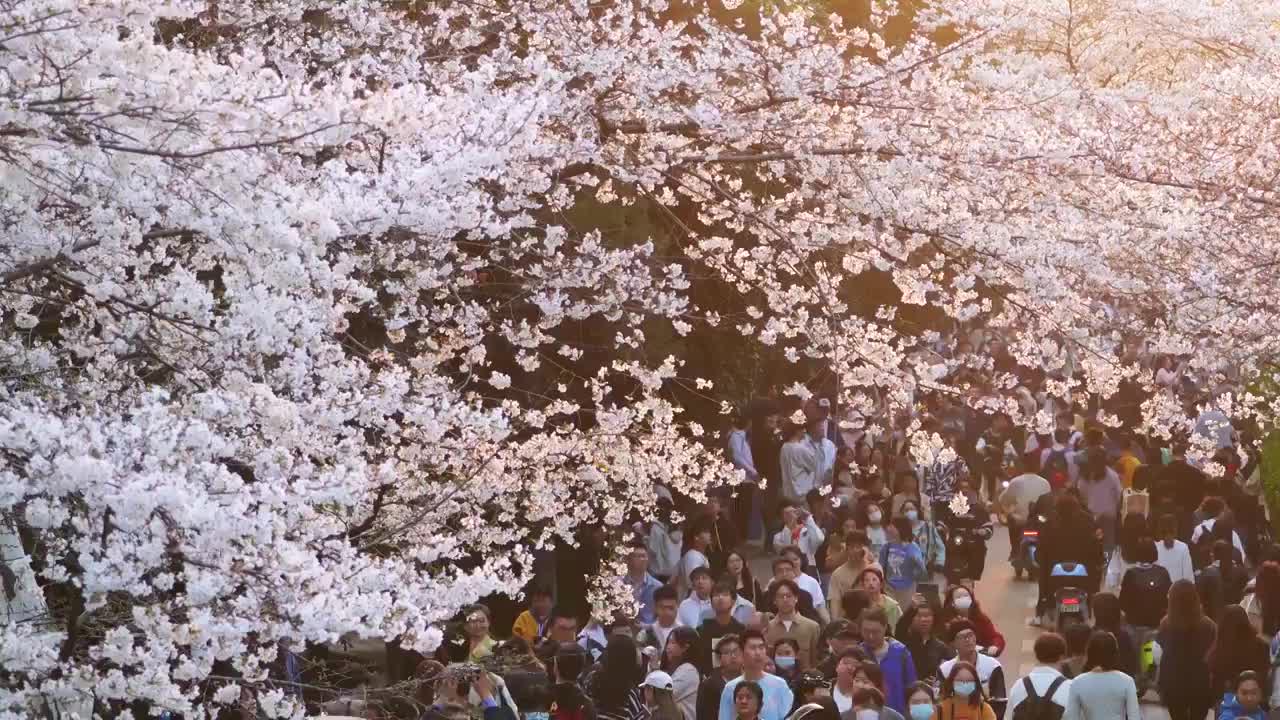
column 921, row 702
column 1103, row 691
column 1185, row 636
column 744, row 583
column 659, row 699
column 1236, row 648
column 1134, row 532
column 1222, row 583
column 1100, row 486
column 677, row 661
column 615, row 687
column 1108, row 616
column 962, row 696
column 961, row 602
column 1263, row 604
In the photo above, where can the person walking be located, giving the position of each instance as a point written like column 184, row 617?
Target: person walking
column 774, row 700
column 615, row 686
column 678, row 662
column 893, row 657
column 1236, row 649
column 1045, row 684
column 789, row 623
column 1104, row 692
column 728, row 665
column 1185, row 636
column 962, row 695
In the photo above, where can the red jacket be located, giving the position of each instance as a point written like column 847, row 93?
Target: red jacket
column 986, row 631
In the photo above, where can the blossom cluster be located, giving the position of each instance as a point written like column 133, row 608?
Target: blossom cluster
column 302, row 340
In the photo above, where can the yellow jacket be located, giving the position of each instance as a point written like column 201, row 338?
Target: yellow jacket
column 526, row 626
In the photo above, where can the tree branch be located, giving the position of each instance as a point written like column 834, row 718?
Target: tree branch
column 36, row 267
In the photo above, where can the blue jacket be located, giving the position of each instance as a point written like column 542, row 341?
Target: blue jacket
column 899, row 673
column 1231, row 710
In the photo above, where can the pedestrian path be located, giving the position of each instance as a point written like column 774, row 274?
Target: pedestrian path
column 1011, row 604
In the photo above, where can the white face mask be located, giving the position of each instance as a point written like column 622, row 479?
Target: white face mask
column 912, row 515
column 874, row 516
column 963, row 602
column 868, row 715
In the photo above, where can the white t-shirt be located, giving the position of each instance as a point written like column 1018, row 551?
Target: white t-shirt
column 986, row 666
column 844, row 703
column 1041, row 678
column 806, row 583
column 692, row 560
column 1177, row 560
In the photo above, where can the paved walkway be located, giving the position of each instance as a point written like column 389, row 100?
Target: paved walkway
column 1010, row 603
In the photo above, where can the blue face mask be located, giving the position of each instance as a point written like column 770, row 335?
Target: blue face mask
column 921, row 712
column 965, row 688
column 785, row 662
column 912, row 515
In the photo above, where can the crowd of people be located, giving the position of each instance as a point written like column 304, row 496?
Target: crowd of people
column 871, row 611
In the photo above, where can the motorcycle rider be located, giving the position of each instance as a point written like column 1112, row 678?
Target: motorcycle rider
column 967, row 535
column 1070, row 535
column 1018, row 497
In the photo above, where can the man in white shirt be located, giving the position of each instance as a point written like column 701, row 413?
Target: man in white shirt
column 1045, row 678
column 964, row 640
column 697, row 606
column 695, row 557
column 1214, row 507
column 1171, row 553
column 824, row 452
column 799, row 465
column 1018, row 497
column 665, row 607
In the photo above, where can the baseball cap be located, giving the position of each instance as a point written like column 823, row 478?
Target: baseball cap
column 659, row 680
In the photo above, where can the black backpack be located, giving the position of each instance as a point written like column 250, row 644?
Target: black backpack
column 1056, row 469
column 1036, row 707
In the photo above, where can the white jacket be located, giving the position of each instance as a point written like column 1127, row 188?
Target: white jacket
column 664, row 550
column 811, row 537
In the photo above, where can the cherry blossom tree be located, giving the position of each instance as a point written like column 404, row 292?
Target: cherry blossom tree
column 304, row 336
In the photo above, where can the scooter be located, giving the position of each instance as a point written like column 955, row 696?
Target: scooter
column 1025, row 559
column 962, row 543
column 1070, row 601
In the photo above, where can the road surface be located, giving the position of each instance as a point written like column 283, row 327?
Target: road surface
column 1010, row 604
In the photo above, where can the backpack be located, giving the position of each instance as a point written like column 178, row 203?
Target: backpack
column 1036, row 707
column 1056, row 470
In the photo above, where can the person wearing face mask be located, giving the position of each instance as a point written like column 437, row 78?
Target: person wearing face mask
column 921, row 703
column 873, row 519
column 868, row 704
column 926, row 536
column 962, row 695
column 961, row 604
column 784, row 659
column 989, row 673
